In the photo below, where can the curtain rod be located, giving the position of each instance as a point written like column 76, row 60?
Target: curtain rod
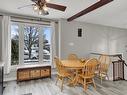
column 48, row 24
column 28, row 18
column 34, row 18
column 40, row 21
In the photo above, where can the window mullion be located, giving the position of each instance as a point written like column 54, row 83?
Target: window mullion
column 21, row 44
column 40, row 45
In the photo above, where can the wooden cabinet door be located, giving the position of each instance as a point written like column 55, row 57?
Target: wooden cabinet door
column 35, row 73
column 23, row 75
column 45, row 72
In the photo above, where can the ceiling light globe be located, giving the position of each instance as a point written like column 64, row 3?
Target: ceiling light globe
column 45, row 8
column 47, row 0
column 40, row 12
column 35, row 7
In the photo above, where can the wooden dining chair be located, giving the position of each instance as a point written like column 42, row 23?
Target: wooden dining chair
column 88, row 73
column 62, row 73
column 72, row 57
column 104, row 61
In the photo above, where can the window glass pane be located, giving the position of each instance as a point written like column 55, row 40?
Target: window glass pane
column 31, row 45
column 47, row 44
column 14, row 44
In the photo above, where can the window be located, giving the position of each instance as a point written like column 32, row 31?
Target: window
column 31, row 44
column 47, row 44
column 14, row 44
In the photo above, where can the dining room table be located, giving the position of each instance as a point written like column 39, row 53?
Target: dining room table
column 76, row 66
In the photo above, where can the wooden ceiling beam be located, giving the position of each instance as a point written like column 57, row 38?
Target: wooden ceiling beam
column 90, row 9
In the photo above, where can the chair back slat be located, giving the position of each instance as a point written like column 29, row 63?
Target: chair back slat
column 72, row 57
column 104, row 63
column 104, row 59
column 90, row 67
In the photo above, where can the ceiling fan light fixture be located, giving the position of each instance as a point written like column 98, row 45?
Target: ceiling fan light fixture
column 35, row 7
column 45, row 8
column 42, row 6
column 43, row 12
column 40, row 12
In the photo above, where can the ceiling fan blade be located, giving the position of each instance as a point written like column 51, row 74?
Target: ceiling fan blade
column 55, row 6
column 34, row 0
column 25, row 6
column 90, row 9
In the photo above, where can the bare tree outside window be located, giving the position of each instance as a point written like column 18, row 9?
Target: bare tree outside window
column 31, row 44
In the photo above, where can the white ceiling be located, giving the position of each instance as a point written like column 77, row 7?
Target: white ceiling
column 113, row 14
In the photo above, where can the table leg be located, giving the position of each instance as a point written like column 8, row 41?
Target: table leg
column 74, row 82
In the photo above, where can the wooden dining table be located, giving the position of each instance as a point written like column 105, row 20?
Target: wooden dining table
column 75, row 65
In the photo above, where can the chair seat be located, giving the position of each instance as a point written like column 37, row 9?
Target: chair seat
column 97, row 72
column 90, row 76
column 64, row 74
column 100, row 73
column 103, row 74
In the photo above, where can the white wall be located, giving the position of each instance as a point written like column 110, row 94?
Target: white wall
column 118, row 43
column 95, row 38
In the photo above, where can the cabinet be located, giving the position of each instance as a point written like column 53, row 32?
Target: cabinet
column 33, row 72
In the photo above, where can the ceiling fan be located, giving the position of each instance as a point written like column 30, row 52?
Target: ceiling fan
column 90, row 9
column 41, row 6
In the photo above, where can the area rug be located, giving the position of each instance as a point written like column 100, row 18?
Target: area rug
column 27, row 94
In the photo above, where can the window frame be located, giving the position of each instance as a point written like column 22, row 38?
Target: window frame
column 21, row 43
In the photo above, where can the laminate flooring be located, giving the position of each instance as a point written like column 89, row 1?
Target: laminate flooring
column 47, row 86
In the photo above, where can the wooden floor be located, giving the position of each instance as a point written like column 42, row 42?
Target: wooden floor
column 47, row 87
